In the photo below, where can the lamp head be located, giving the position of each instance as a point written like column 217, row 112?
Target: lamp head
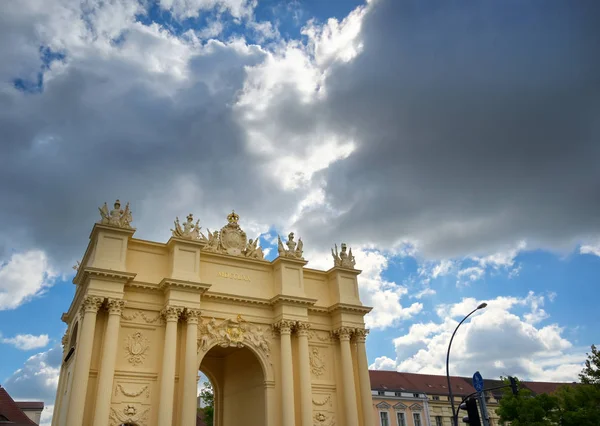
column 483, row 305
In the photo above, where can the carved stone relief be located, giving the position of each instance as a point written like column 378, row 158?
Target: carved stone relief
column 323, row 402
column 130, row 414
column 131, row 393
column 136, row 346
column 233, row 333
column 317, row 362
column 315, row 335
column 141, row 314
column 232, row 240
column 323, row 419
column 116, row 217
column 343, row 259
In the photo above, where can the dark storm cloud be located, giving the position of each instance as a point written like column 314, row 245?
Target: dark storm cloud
column 478, row 125
column 106, row 126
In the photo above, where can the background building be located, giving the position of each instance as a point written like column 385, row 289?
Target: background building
column 19, row 413
column 409, row 399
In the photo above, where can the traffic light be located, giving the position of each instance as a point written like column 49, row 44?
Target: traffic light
column 472, row 417
column 513, row 385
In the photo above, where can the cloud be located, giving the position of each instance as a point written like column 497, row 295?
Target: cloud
column 497, row 340
column 27, row 342
column 590, row 249
column 24, row 276
column 38, row 378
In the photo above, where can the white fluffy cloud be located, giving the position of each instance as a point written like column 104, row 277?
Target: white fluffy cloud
column 496, row 341
column 23, row 276
column 38, row 378
column 27, row 342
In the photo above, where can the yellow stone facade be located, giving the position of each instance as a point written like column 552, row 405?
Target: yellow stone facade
column 282, row 344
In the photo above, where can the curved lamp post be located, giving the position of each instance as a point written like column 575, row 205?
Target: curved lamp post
column 454, row 419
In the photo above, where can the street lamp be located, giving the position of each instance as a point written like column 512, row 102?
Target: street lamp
column 454, row 418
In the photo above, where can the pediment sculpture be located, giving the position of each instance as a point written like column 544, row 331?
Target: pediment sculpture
column 294, row 249
column 116, row 217
column 232, row 240
column 343, row 259
column 188, row 230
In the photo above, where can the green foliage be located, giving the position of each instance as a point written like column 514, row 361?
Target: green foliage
column 591, row 372
column 570, row 405
column 208, row 398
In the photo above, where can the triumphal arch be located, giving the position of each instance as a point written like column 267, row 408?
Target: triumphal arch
column 282, row 344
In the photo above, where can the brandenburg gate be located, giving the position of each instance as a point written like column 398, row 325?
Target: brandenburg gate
column 282, row 344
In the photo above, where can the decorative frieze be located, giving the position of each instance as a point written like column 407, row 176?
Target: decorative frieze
column 132, row 394
column 156, row 319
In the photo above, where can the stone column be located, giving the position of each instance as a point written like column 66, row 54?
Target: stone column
column 287, row 373
column 167, row 380
column 363, row 376
column 85, row 344
column 344, row 335
column 107, row 362
column 304, row 369
column 190, row 380
column 61, row 380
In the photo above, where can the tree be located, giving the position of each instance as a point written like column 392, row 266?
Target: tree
column 591, row 372
column 577, row 405
column 208, row 399
column 525, row 409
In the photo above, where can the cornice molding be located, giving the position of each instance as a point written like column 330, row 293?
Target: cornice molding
column 341, row 269
column 89, row 272
column 282, row 299
column 167, row 283
column 236, row 299
column 347, row 307
column 176, row 240
column 279, row 259
column 114, row 229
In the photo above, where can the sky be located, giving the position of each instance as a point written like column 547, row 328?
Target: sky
column 453, row 145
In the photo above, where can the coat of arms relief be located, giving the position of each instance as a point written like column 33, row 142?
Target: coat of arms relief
column 231, row 239
column 233, row 333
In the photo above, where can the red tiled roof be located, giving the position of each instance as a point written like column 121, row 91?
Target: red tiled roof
column 30, row 405
column 10, row 410
column 544, row 387
column 423, row 383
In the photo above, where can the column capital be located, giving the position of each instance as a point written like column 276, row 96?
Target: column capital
column 343, row 333
column 284, row 326
column 360, row 334
column 115, row 306
column 302, row 328
column 91, row 304
column 171, row 313
column 192, row 315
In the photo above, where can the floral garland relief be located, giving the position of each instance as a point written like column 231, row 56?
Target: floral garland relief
column 137, row 346
column 146, row 318
column 132, row 394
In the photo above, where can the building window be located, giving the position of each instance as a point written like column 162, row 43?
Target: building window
column 416, row 395
column 401, row 419
column 384, row 419
column 417, row 419
column 380, row 393
column 436, row 398
column 439, row 421
column 398, row 393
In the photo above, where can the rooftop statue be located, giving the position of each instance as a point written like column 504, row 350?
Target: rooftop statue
column 189, row 230
column 343, row 259
column 232, row 240
column 294, row 250
column 116, row 217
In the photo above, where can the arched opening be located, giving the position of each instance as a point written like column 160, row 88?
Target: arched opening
column 238, row 381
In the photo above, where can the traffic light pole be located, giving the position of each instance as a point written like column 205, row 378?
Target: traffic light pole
column 473, row 394
column 484, row 413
